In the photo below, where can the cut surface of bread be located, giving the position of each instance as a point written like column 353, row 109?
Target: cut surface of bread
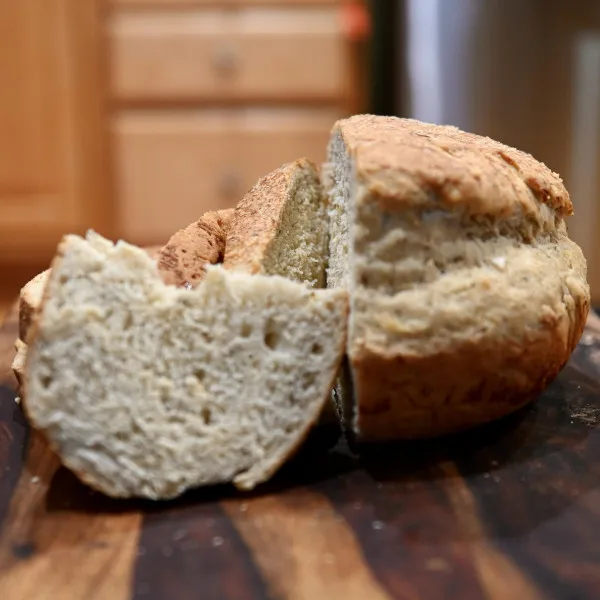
column 145, row 389
column 467, row 295
column 183, row 259
column 31, row 294
column 30, row 298
column 280, row 226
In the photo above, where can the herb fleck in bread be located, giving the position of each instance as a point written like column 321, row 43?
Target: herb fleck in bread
column 184, row 258
column 280, row 226
column 145, row 389
column 467, row 295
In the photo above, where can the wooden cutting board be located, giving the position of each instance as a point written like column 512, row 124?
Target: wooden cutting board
column 509, row 511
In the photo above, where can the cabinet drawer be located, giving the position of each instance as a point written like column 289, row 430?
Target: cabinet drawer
column 170, row 168
column 254, row 54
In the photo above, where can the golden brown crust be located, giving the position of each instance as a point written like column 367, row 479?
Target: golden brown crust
column 28, row 302
column 184, row 258
column 414, row 164
column 18, row 363
column 405, row 397
column 257, row 218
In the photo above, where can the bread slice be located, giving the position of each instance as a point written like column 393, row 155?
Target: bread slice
column 145, row 389
column 467, row 295
column 280, row 226
column 182, row 261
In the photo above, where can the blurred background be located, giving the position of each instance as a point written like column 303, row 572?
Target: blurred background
column 136, row 116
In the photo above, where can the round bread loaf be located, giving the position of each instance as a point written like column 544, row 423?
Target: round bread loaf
column 467, row 295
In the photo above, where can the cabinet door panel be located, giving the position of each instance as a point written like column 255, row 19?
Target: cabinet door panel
column 50, row 126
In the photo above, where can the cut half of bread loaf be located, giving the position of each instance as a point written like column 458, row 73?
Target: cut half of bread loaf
column 145, row 389
column 280, row 226
column 467, row 295
column 183, row 259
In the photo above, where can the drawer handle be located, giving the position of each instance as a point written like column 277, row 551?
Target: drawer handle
column 225, row 60
column 230, row 183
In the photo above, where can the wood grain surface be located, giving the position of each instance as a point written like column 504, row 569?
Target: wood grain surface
column 508, row 511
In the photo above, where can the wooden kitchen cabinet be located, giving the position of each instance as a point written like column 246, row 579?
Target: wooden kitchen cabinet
column 210, row 96
column 173, row 166
column 133, row 117
column 52, row 161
